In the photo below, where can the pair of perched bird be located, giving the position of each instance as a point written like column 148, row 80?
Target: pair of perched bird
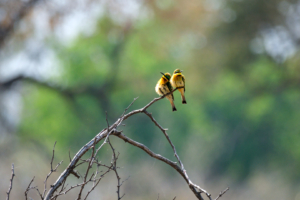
column 166, row 83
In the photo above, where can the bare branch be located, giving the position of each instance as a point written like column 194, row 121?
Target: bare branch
column 11, row 181
column 111, row 130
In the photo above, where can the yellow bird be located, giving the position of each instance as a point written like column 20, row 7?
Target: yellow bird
column 178, row 80
column 163, row 87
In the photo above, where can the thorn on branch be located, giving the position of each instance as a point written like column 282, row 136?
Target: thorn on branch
column 75, row 174
column 70, row 155
column 52, row 156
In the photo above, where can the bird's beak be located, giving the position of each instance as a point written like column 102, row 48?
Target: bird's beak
column 162, row 73
column 181, row 70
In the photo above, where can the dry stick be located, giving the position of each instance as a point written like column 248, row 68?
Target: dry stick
column 11, row 181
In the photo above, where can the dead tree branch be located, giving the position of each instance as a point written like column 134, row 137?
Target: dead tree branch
column 112, row 130
column 53, row 192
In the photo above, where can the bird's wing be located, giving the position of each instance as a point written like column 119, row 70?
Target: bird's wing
column 170, row 88
column 183, row 79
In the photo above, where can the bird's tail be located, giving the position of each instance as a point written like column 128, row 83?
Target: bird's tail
column 173, row 106
column 172, row 103
column 181, row 90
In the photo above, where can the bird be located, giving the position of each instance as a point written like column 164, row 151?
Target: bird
column 163, row 87
column 178, row 81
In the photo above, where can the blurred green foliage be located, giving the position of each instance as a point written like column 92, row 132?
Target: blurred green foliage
column 242, row 108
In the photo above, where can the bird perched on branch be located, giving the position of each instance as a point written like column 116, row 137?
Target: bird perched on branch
column 178, row 81
column 163, row 87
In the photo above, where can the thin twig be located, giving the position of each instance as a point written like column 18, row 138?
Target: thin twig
column 114, row 163
column 29, row 188
column 96, row 182
column 222, row 193
column 87, row 171
column 108, row 130
column 51, row 170
column 11, row 181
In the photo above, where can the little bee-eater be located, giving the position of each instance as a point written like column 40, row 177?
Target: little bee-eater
column 163, row 87
column 177, row 81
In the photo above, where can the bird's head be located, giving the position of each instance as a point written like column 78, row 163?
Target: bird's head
column 166, row 76
column 177, row 71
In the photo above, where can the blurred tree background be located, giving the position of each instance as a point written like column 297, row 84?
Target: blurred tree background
column 64, row 63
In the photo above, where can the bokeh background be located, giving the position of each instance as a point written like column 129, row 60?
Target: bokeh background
column 64, row 63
